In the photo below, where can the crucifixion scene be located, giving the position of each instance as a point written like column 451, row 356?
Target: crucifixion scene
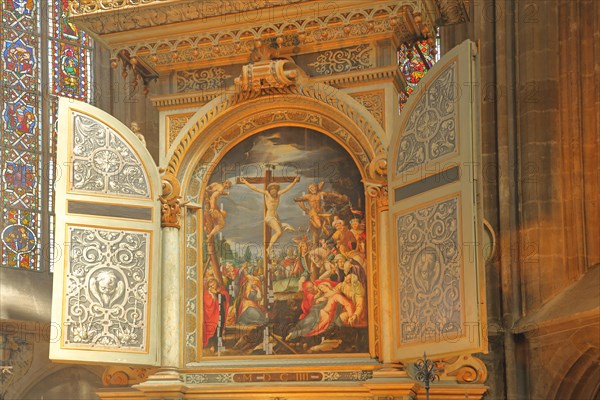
column 284, row 261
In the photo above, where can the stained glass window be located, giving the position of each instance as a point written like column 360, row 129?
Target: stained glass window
column 40, row 50
column 414, row 60
column 69, row 53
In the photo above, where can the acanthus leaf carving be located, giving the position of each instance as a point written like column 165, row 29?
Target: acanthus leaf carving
column 464, row 369
column 201, row 79
column 170, row 201
column 379, row 191
column 374, row 102
column 378, row 167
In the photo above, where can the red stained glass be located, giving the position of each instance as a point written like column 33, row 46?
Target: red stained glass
column 20, row 60
column 62, row 28
column 70, row 55
column 21, row 14
column 414, row 61
column 20, row 120
column 70, row 71
column 20, row 179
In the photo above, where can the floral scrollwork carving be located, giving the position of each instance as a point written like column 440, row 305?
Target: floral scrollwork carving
column 379, row 191
column 463, row 369
column 170, row 202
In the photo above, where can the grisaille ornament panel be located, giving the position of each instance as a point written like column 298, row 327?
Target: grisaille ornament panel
column 341, row 60
column 201, row 79
column 107, row 289
column 102, row 162
column 431, row 131
column 429, row 256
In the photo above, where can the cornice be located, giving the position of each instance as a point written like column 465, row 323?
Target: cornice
column 339, row 81
column 151, row 13
column 220, row 40
column 359, row 78
column 183, row 100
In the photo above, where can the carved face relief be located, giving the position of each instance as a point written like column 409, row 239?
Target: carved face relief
column 107, row 287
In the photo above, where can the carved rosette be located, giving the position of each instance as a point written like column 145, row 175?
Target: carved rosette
column 170, row 200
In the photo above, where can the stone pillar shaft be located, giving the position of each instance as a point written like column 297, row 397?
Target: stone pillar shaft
column 170, row 298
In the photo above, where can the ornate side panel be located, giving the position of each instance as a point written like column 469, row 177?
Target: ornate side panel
column 430, row 133
column 438, row 287
column 103, row 162
column 428, row 262
column 101, row 312
column 108, row 225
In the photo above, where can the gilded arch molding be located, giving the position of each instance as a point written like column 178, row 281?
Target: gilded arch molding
column 225, row 119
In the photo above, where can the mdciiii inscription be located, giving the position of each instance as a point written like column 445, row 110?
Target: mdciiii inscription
column 279, row 377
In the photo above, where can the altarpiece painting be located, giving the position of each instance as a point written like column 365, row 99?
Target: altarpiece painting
column 284, row 261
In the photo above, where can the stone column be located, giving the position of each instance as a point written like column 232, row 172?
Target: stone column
column 385, row 291
column 170, row 278
column 170, row 298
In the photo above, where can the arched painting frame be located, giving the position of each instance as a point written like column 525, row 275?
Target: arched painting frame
column 294, row 197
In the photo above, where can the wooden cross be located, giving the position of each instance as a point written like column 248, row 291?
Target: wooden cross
column 266, row 181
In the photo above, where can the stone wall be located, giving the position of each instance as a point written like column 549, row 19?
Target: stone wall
column 540, row 123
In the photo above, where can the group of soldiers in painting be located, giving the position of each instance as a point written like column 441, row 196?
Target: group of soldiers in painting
column 322, row 280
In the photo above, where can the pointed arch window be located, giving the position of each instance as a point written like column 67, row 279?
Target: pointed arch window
column 43, row 57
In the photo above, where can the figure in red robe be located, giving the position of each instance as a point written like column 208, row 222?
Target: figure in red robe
column 216, row 304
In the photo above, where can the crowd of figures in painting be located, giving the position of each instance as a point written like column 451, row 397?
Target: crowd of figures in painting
column 284, row 258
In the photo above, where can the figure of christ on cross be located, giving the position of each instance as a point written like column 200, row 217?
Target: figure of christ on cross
column 272, row 196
